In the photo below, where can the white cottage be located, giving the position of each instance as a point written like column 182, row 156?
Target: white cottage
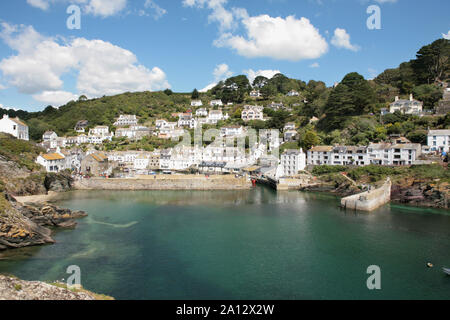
column 15, row 127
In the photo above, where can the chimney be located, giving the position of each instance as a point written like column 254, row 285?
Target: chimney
column 396, row 98
column 411, row 98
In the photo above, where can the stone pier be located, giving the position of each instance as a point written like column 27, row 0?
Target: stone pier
column 370, row 200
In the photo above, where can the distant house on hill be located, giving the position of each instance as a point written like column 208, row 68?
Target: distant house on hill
column 410, row 106
column 126, row 120
column 49, row 136
column 255, row 94
column 293, row 93
column 81, row 126
column 215, row 103
column 196, row 103
column 15, row 127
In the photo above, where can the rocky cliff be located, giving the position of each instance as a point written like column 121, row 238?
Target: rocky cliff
column 28, row 225
column 421, row 193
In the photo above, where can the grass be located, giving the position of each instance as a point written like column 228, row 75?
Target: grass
column 374, row 173
column 22, row 152
column 4, row 204
column 82, row 290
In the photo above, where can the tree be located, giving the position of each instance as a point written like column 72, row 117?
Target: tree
column 309, row 139
column 168, row 92
column 82, row 98
column 195, row 94
column 260, row 82
column 433, row 61
column 268, row 91
column 430, row 94
column 352, row 97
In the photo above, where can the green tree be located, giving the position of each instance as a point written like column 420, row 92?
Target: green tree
column 309, row 139
column 195, row 94
column 352, row 97
column 433, row 62
column 430, row 94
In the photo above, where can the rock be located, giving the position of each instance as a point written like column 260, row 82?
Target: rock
column 14, row 289
column 27, row 225
column 58, row 182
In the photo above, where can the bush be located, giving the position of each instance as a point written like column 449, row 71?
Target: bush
column 325, row 169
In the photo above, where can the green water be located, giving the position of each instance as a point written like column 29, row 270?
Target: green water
column 242, row 245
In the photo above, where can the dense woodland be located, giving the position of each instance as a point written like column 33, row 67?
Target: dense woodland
column 336, row 109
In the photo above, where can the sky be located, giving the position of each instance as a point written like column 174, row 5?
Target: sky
column 48, row 58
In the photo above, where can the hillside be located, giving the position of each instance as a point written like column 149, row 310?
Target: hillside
column 355, row 98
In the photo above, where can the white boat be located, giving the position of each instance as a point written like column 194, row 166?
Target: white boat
column 446, row 270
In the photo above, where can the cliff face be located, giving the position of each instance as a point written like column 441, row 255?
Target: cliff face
column 421, row 193
column 27, row 225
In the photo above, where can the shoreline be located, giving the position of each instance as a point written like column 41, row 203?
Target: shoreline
column 40, row 198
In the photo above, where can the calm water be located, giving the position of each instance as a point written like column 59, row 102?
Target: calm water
column 242, row 245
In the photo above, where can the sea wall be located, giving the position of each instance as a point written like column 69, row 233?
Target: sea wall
column 370, row 200
column 186, row 182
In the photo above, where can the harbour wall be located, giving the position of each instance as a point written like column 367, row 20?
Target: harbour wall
column 370, row 200
column 193, row 182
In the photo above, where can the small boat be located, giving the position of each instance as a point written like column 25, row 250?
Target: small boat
column 430, row 265
column 446, row 270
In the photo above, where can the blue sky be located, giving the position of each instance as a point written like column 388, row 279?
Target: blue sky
column 136, row 45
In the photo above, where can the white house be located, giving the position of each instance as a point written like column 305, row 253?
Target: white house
column 215, row 103
column 99, row 131
column 292, row 161
column 81, row 126
column 53, row 162
column 49, row 136
column 349, row 155
column 320, row 155
column 255, row 94
column 410, row 106
column 293, row 93
column 126, row 120
column 15, row 127
column 202, row 112
column 252, row 113
column 290, row 135
column 141, row 162
column 439, row 140
column 196, row 103
column 216, row 116
column 232, row 131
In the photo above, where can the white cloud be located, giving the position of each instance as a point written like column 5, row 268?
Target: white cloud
column 222, row 72
column 158, row 11
column 6, row 108
column 219, row 14
column 314, row 65
column 103, row 8
column 55, row 98
column 341, row 39
column 103, row 68
column 386, row 1
column 446, row 36
column 278, row 38
column 41, row 4
column 208, row 87
column 283, row 39
column 251, row 74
